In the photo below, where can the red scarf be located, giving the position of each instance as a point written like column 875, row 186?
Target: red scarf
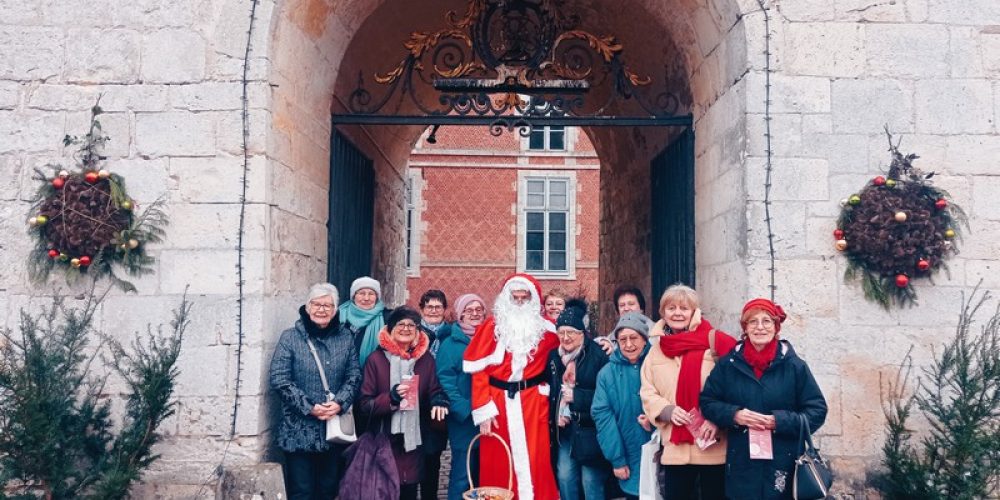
column 760, row 360
column 691, row 346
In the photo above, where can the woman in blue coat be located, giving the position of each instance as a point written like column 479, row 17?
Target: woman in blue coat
column 471, row 311
column 622, row 427
column 761, row 387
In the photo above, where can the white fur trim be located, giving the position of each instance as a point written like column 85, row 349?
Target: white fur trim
column 544, row 389
column 478, row 365
column 528, row 286
column 519, row 448
column 485, row 412
column 517, row 365
column 549, row 326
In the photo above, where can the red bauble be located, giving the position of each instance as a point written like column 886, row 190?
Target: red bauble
column 84, row 260
column 90, row 177
column 941, row 204
column 879, row 181
column 923, row 264
column 902, row 280
column 53, row 253
column 838, row 234
column 58, row 182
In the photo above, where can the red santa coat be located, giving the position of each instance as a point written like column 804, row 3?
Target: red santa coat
column 522, row 421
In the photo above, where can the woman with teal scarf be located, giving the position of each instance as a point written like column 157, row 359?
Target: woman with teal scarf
column 364, row 315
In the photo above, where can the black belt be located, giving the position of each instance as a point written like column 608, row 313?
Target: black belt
column 513, row 388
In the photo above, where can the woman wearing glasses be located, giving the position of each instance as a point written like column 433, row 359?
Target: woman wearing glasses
column 471, row 312
column 401, row 395
column 581, row 469
column 433, row 304
column 762, row 391
column 311, row 463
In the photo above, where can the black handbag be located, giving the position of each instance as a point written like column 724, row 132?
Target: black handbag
column 813, row 476
column 585, row 448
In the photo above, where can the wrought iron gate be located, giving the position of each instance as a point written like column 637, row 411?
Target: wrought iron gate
column 672, row 215
column 352, row 214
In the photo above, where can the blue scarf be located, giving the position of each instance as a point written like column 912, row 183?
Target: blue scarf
column 371, row 320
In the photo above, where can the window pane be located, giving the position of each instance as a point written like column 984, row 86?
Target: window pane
column 536, row 201
column 557, row 187
column 533, row 261
column 557, row 261
column 537, row 140
column 535, row 221
column 535, row 241
column 557, row 221
column 557, row 240
column 557, row 136
column 557, row 201
column 536, row 186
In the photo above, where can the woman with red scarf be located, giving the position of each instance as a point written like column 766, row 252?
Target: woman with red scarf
column 685, row 347
column 760, row 392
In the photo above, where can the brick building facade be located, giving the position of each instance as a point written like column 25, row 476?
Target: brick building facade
column 481, row 207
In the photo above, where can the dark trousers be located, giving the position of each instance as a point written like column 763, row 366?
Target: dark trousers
column 694, row 482
column 313, row 475
column 408, row 491
column 432, row 472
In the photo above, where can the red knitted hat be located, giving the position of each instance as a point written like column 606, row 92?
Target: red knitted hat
column 773, row 310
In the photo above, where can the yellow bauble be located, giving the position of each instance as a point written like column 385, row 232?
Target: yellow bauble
column 949, row 233
column 900, row 216
column 841, row 245
column 75, row 262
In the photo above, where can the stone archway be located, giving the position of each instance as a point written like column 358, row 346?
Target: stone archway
column 319, row 47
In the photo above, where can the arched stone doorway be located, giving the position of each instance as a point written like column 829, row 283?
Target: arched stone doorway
column 697, row 47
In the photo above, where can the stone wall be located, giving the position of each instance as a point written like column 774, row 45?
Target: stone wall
column 843, row 70
column 170, row 80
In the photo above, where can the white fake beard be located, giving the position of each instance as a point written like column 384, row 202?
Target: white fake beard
column 519, row 327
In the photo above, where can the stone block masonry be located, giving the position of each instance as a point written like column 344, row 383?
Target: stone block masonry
column 169, row 76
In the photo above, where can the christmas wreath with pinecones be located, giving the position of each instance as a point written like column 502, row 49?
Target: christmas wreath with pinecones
column 85, row 223
column 898, row 228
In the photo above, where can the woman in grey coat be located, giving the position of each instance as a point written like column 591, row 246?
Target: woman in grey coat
column 311, row 463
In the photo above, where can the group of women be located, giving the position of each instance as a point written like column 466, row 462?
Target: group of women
column 728, row 412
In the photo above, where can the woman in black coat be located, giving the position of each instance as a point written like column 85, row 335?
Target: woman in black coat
column 763, row 389
column 581, row 469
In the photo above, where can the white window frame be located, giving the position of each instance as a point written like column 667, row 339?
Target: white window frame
column 522, row 226
column 546, row 132
column 412, row 210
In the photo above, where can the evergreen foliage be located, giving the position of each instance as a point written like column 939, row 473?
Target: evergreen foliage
column 958, row 456
column 57, row 434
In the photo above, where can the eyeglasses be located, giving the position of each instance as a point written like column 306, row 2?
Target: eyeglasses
column 761, row 323
column 406, row 326
column 569, row 333
column 321, row 307
column 473, row 310
column 435, row 307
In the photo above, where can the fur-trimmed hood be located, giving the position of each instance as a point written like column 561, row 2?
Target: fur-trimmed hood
column 390, row 346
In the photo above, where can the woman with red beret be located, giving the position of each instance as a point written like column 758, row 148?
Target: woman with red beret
column 760, row 392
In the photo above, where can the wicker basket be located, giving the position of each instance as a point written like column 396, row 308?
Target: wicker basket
column 489, row 492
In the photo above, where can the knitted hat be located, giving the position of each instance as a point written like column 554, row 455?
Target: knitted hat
column 773, row 310
column 366, row 282
column 464, row 302
column 400, row 313
column 575, row 315
column 633, row 321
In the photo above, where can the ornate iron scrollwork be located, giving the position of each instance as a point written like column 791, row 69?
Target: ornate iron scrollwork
column 514, row 60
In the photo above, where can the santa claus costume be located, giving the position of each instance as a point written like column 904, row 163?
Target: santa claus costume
column 507, row 358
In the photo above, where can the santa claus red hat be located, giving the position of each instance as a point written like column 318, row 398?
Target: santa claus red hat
column 526, row 280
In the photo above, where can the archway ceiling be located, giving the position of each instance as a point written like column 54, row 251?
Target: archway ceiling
column 659, row 37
